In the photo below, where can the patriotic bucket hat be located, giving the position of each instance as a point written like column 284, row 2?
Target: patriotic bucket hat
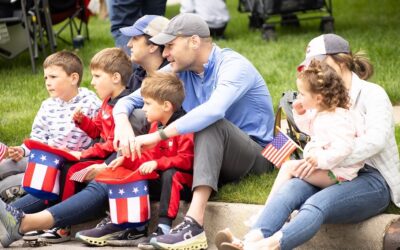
column 128, row 195
column 41, row 177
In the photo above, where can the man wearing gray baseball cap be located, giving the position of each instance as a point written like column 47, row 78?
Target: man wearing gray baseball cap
column 229, row 109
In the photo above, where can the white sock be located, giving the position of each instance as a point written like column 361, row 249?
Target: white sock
column 165, row 228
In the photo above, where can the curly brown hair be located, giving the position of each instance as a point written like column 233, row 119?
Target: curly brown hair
column 323, row 79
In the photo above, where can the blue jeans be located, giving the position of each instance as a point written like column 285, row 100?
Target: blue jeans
column 348, row 202
column 124, row 13
column 88, row 204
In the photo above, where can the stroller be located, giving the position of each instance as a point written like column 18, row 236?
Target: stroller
column 289, row 12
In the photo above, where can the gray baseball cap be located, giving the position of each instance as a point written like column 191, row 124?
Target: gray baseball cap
column 185, row 24
column 323, row 45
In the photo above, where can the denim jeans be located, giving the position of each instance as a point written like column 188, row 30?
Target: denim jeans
column 124, row 13
column 88, row 204
column 348, row 202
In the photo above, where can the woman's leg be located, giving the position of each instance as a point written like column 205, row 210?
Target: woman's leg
column 288, row 198
column 350, row 202
column 285, row 174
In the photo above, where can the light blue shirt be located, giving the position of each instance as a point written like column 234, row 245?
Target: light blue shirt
column 230, row 88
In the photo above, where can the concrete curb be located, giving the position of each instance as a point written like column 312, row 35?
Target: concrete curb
column 369, row 234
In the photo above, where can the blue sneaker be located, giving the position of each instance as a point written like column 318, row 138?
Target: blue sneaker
column 10, row 218
column 187, row 235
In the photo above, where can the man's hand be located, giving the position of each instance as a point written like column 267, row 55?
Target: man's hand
column 16, row 153
column 298, row 107
column 123, row 135
column 147, row 167
column 77, row 116
column 144, row 142
column 77, row 154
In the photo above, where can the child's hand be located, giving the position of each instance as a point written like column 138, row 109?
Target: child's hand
column 16, row 153
column 298, row 107
column 147, row 167
column 77, row 154
column 96, row 169
column 77, row 116
column 116, row 163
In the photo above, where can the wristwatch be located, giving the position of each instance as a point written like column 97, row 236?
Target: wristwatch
column 162, row 134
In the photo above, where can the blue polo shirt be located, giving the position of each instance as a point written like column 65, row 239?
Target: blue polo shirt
column 230, row 87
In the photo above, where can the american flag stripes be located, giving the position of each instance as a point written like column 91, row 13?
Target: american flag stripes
column 3, row 150
column 279, row 149
column 80, row 175
column 129, row 202
column 41, row 177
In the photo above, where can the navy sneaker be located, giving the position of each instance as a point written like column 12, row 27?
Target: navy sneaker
column 146, row 245
column 10, row 218
column 130, row 237
column 187, row 235
column 99, row 235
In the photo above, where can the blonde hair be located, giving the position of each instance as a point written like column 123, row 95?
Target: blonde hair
column 113, row 60
column 68, row 61
column 163, row 86
column 359, row 63
column 322, row 79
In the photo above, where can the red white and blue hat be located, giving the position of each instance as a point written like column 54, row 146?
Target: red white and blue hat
column 146, row 25
column 41, row 177
column 128, row 195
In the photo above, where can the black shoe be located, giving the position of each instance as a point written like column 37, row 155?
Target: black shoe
column 130, row 237
column 146, row 244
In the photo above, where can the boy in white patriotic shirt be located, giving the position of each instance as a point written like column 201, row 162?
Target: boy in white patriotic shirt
column 53, row 124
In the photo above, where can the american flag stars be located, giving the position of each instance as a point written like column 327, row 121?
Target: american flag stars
column 121, row 191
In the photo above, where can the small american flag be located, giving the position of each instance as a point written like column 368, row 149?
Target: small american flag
column 279, row 149
column 3, row 150
column 80, row 175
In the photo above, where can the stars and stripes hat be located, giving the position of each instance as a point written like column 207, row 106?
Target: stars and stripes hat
column 149, row 24
column 327, row 44
column 128, row 195
column 41, row 178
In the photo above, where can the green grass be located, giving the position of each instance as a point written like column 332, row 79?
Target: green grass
column 369, row 25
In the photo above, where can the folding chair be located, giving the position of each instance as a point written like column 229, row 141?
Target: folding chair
column 18, row 32
column 76, row 14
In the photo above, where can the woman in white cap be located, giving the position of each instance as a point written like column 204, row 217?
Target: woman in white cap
column 368, row 195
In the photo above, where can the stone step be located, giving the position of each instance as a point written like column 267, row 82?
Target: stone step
column 369, row 234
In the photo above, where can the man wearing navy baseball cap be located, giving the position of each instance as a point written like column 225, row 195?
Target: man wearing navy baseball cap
column 229, row 108
column 147, row 55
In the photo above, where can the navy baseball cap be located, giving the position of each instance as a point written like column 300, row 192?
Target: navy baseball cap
column 149, row 24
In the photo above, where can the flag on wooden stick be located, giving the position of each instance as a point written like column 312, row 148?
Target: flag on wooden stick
column 279, row 149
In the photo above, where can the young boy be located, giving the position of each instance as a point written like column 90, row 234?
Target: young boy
column 52, row 124
column 110, row 69
column 172, row 158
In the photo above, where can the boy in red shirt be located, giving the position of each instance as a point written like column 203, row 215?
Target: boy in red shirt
column 172, row 158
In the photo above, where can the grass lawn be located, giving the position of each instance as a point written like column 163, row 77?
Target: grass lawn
column 369, row 25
